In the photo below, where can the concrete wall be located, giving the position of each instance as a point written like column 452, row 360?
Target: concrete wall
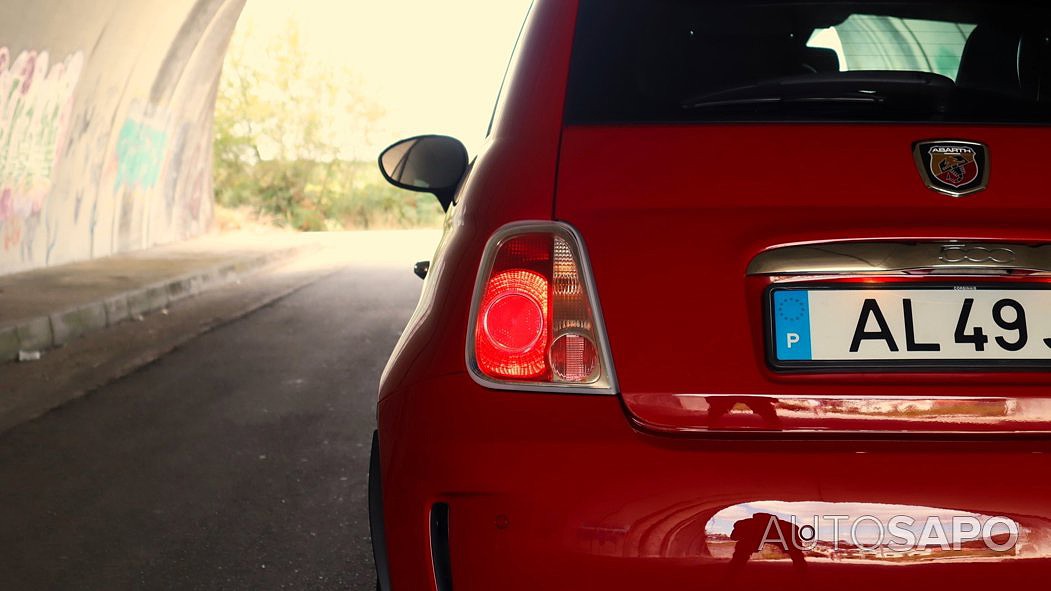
column 105, row 124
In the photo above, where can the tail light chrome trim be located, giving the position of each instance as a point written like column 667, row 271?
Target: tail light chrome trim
column 606, row 384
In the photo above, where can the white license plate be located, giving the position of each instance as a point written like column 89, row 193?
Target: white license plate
column 890, row 326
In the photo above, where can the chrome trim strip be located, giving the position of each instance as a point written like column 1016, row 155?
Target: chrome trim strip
column 904, row 258
column 570, row 234
column 787, row 414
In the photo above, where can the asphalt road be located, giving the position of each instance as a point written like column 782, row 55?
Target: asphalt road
column 238, row 461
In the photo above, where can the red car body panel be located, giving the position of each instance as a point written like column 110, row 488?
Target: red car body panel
column 562, row 493
column 553, row 491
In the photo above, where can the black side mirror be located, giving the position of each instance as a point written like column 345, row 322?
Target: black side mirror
column 426, row 164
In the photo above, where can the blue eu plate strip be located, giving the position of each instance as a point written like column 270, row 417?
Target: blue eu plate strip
column 792, row 325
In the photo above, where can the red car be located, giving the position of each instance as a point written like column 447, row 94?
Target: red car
column 736, row 295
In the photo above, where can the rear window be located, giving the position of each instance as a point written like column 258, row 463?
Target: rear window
column 682, row 61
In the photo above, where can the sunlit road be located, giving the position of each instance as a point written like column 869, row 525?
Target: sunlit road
column 238, row 461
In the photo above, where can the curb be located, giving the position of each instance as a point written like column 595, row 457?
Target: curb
column 55, row 330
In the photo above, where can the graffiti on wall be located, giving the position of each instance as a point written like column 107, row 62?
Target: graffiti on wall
column 158, row 175
column 36, row 100
column 126, row 164
column 162, row 174
column 141, row 149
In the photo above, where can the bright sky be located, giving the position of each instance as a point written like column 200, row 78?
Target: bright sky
column 434, row 65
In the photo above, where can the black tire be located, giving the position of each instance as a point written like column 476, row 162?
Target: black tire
column 376, row 526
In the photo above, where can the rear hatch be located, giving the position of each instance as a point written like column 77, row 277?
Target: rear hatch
column 700, row 136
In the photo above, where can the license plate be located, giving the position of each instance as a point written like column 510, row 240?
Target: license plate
column 969, row 327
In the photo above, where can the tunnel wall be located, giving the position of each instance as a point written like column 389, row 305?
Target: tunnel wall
column 106, row 112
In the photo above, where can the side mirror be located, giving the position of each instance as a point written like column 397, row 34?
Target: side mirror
column 426, row 164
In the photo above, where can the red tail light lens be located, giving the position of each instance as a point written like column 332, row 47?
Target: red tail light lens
column 536, row 323
column 511, row 333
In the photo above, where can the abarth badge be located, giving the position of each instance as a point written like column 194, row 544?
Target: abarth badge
column 955, row 168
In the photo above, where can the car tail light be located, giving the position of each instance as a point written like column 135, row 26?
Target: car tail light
column 535, row 319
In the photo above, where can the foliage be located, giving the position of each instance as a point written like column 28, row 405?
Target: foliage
column 278, row 128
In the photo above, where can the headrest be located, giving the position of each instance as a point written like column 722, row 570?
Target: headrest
column 822, row 59
column 990, row 61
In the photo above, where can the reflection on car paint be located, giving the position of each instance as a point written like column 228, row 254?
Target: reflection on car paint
column 801, row 532
column 842, row 532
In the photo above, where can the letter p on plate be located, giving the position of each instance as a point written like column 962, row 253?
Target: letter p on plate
column 790, row 314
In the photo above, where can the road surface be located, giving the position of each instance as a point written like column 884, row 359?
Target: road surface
column 237, row 461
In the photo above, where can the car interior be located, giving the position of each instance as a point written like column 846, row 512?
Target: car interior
column 922, row 61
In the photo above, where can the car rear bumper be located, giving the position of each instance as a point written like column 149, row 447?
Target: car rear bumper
column 561, row 492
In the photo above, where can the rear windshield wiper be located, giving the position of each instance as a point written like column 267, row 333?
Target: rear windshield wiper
column 860, row 87
column 858, row 98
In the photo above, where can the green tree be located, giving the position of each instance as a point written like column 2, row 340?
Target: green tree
column 279, row 119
